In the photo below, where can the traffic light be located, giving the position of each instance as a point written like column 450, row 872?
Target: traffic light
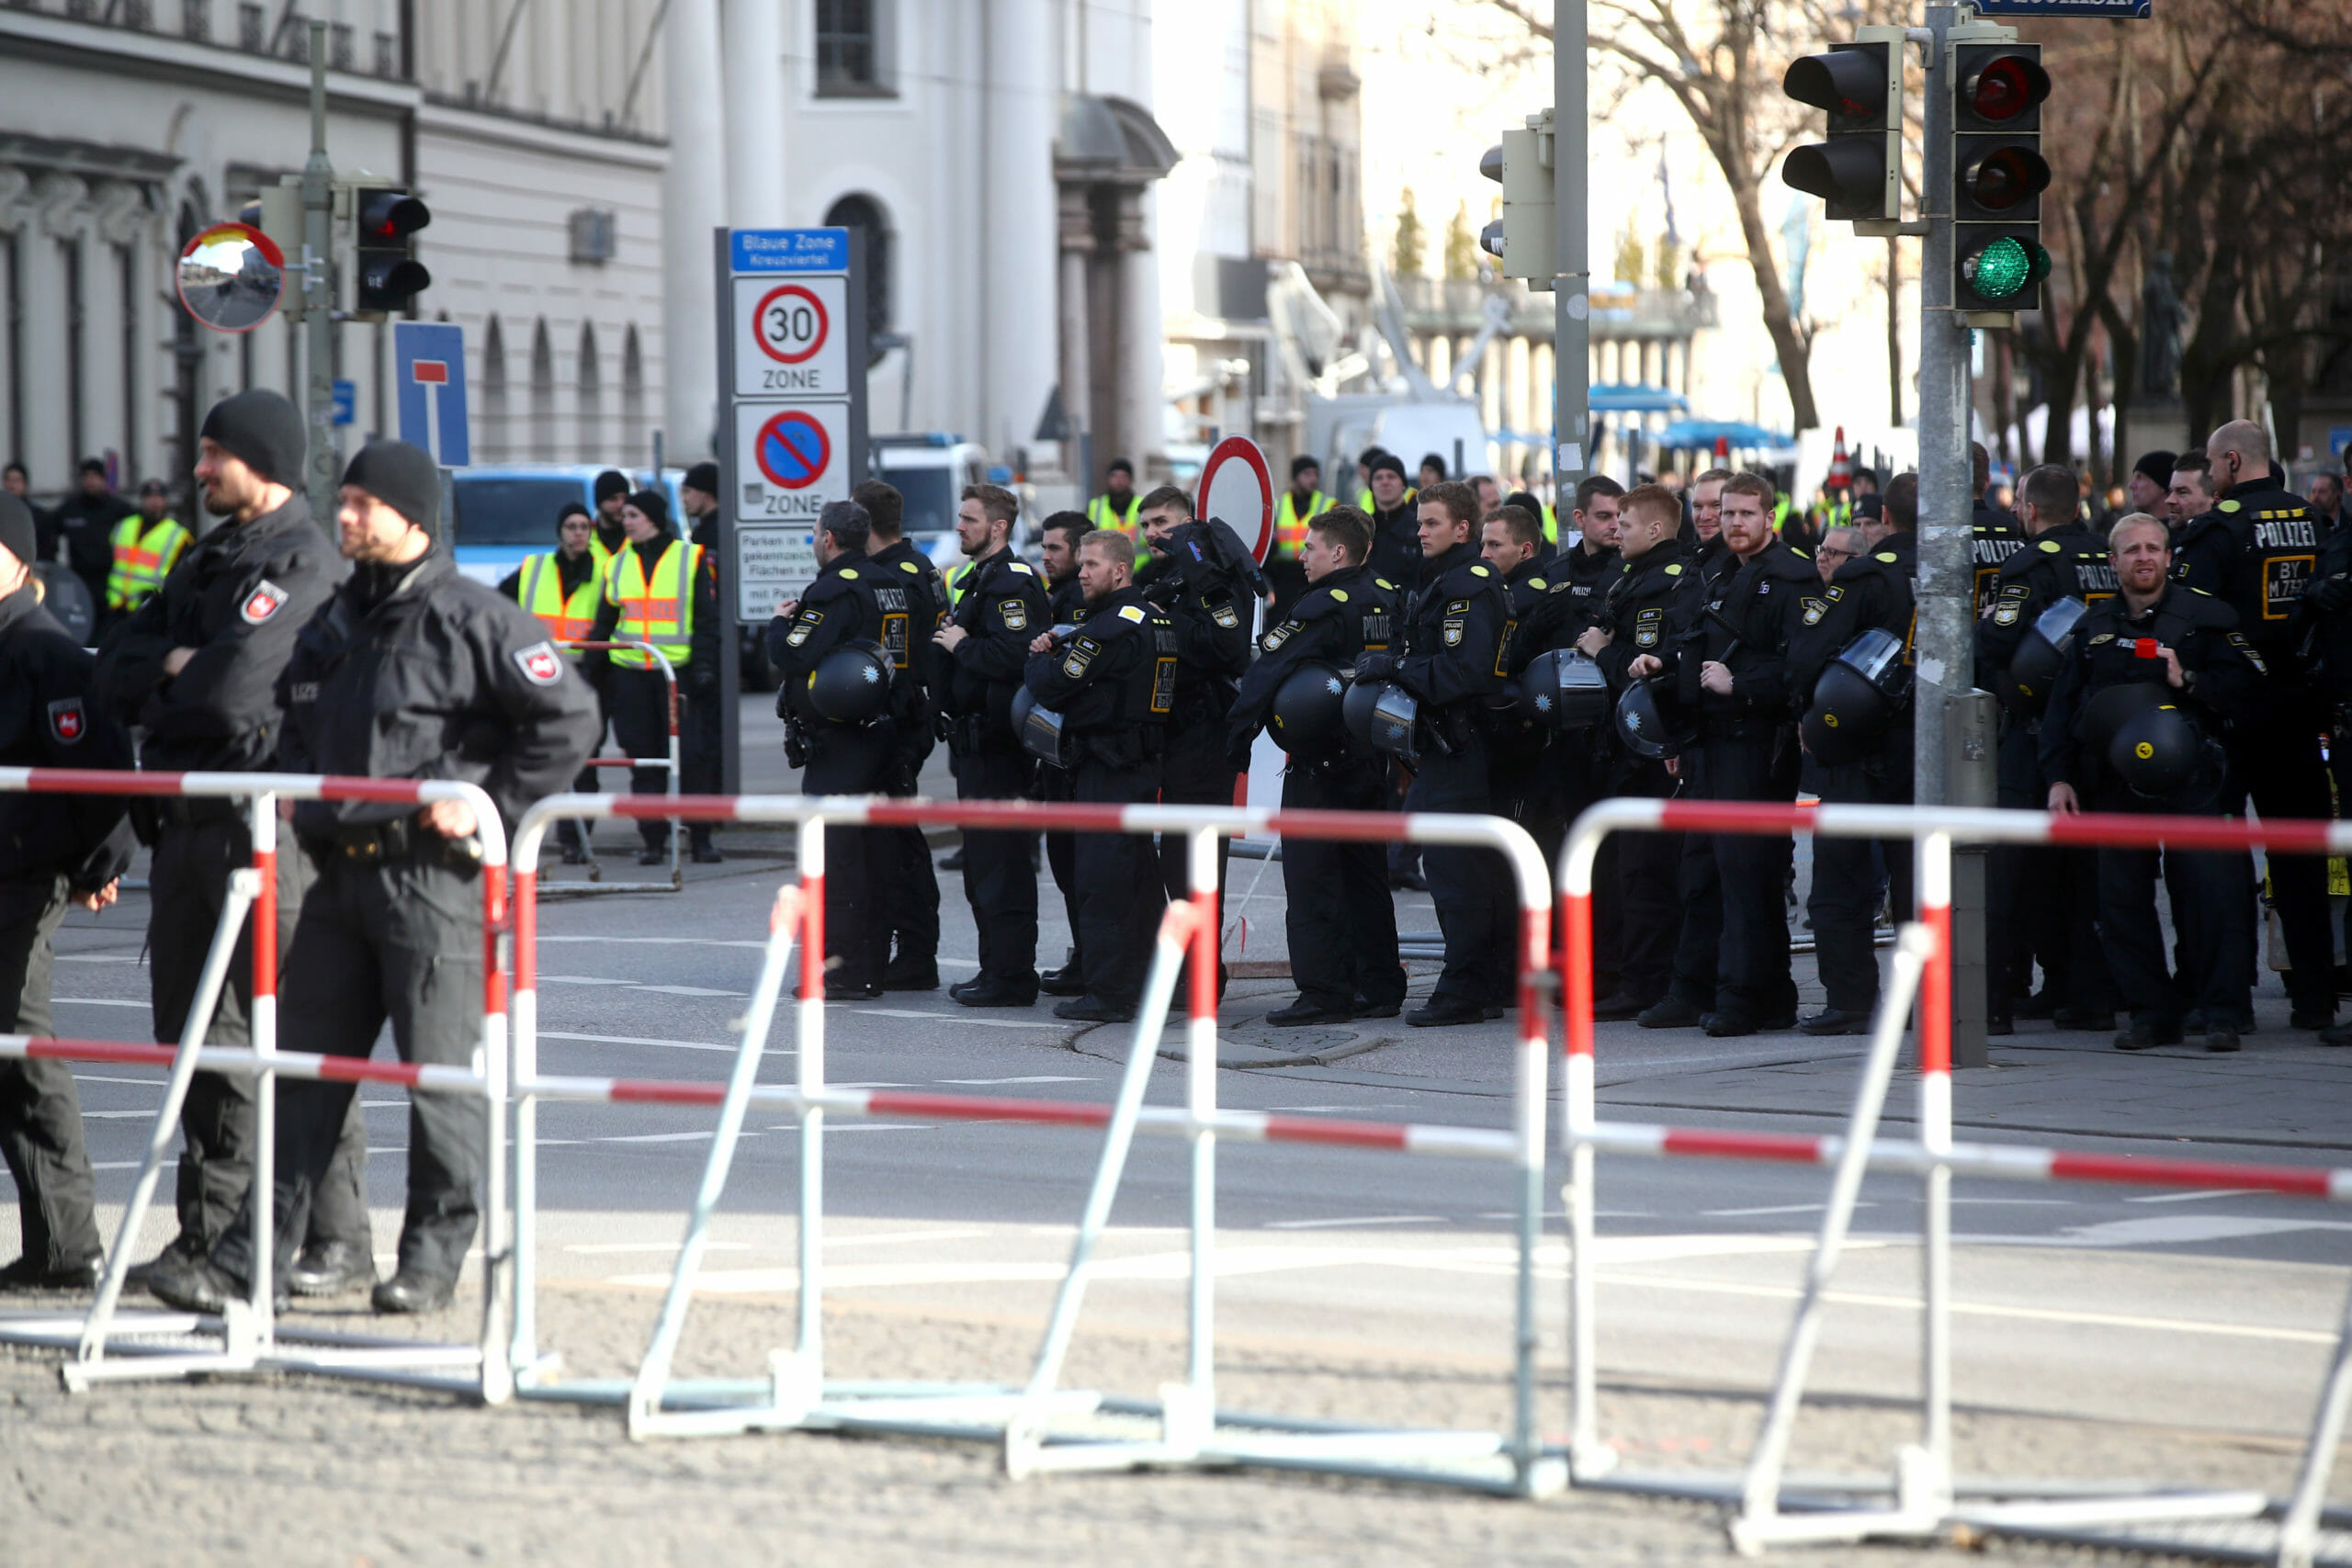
column 1522, row 238
column 1998, row 176
column 1857, row 172
column 383, row 226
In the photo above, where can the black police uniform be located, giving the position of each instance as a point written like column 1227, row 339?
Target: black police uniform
column 850, row 600
column 638, row 699
column 702, row 736
column 1652, row 595
column 2323, row 628
column 2042, row 900
column 1747, row 750
column 572, row 573
column 2274, row 745
column 1068, row 602
column 1114, row 683
column 1341, row 922
column 240, row 596
column 1396, row 541
column 1994, row 536
column 1871, row 592
column 1003, row 608
column 413, row 672
column 52, row 847
column 1715, row 562
column 1210, row 605
column 1451, row 664
column 2111, row 648
column 909, row 883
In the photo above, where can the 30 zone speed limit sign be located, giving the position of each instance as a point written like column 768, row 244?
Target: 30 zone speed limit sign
column 789, row 339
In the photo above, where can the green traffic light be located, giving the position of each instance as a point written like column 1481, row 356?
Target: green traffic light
column 2003, row 267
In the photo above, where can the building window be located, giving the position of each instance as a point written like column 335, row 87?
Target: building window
column 593, row 238
column 138, row 15
column 339, row 46
column 495, row 411
column 81, row 11
column 76, row 324
column 591, row 398
column 196, row 20
column 542, row 395
column 388, row 55
column 863, row 214
column 253, row 29
column 850, row 48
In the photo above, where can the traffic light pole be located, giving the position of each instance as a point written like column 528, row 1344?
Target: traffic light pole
column 1572, row 282
column 1950, row 734
column 318, row 289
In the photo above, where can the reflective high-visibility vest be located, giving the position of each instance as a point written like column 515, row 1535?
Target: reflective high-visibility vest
column 1103, row 514
column 566, row 619
column 1290, row 528
column 1550, row 524
column 660, row 612
column 144, row 554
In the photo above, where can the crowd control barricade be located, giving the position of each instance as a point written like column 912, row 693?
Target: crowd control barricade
column 1032, row 1421
column 1928, row 1499
column 109, row 1347
column 671, row 763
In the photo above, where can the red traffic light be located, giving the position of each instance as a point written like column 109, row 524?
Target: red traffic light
column 1849, row 83
column 2004, row 87
column 389, row 216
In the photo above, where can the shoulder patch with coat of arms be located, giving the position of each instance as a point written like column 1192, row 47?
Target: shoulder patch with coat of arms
column 1081, row 654
column 1814, row 610
column 541, row 665
column 1014, row 613
column 1225, row 614
column 810, row 621
column 1645, row 626
column 1279, row 636
column 266, row 600
column 66, row 721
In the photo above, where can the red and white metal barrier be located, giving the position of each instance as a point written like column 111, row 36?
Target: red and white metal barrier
column 1925, row 1487
column 249, row 1337
column 1193, row 1431
column 671, row 762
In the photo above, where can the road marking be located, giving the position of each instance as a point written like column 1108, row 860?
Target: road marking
column 659, row 1137
column 2195, row 1197
column 1033, row 1078
column 666, row 1044
column 832, row 1127
column 141, row 1083
column 951, row 1018
column 96, row 1003
column 689, row 991
column 608, row 1249
column 2162, row 1230
column 1366, row 1220
column 635, row 985
column 885, row 1236
column 655, row 941
column 1319, row 1109
column 97, row 958
column 1771, row 1209
column 129, row 1164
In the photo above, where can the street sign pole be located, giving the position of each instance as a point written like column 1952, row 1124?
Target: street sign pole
column 730, row 663
column 1571, row 288
column 318, row 288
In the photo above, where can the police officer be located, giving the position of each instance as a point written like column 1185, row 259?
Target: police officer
column 1451, row 662
column 1058, row 542
column 2171, row 644
column 1593, row 562
column 1656, row 589
column 2273, row 746
column 147, row 544
column 1396, row 522
column 412, row 672
column 1205, row 580
column 1871, row 591
column 1731, row 667
column 702, row 736
column 611, row 491
column 1340, row 921
column 850, row 602
column 1001, row 610
column 196, row 668
column 1295, row 509
column 663, row 591
column 562, row 591
column 1117, row 506
column 1993, row 534
column 55, row 851
column 2323, row 628
column 1114, row 680
column 2042, row 899
column 910, row 886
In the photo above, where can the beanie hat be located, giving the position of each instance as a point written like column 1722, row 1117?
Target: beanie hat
column 2157, row 466
column 1872, row 505
column 403, row 477
column 1302, row 462
column 1389, row 463
column 16, row 529
column 655, row 505
column 262, row 430
column 610, row 483
column 703, row 476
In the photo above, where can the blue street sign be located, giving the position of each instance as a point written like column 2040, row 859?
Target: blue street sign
column 2113, row 10
column 346, row 401
column 791, row 250
column 429, row 368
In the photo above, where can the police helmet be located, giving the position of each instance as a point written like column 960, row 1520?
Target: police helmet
column 2155, row 751
column 1562, row 689
column 1642, row 723
column 851, row 684
column 1383, row 715
column 1856, row 697
column 2108, row 711
column 1308, row 707
column 2042, row 653
column 1043, row 734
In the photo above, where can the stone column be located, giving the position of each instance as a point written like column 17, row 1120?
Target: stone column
column 1077, row 231
column 693, row 202
column 757, row 86
column 57, row 202
column 1018, row 248
column 1143, row 376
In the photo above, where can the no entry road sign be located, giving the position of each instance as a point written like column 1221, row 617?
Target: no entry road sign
column 790, row 338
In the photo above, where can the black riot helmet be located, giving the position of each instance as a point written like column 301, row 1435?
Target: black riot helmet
column 2040, row 654
column 1383, row 715
column 1564, row 690
column 1643, row 726
column 1043, row 734
column 851, row 684
column 1857, row 698
column 2156, row 751
column 1309, row 708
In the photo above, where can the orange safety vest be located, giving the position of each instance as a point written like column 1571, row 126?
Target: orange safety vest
column 660, row 612
column 566, row 619
column 1290, row 528
column 144, row 555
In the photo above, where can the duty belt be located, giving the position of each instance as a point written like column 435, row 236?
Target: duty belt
column 177, row 812
column 379, row 844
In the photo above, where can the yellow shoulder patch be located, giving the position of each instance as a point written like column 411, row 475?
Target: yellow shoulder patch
column 909, row 566
column 1479, row 572
column 1386, row 583
column 1130, row 613
column 1537, row 584
column 1023, row 568
column 2053, row 546
column 2227, row 506
column 850, row 572
column 1339, row 595
column 2200, row 592
column 1886, row 556
column 1675, row 571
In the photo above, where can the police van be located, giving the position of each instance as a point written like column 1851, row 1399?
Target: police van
column 504, row 514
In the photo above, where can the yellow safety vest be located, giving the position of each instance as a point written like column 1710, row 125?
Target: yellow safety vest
column 1290, row 528
column 660, row 612
column 566, row 619
column 1551, row 526
column 144, row 555
column 1103, row 514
